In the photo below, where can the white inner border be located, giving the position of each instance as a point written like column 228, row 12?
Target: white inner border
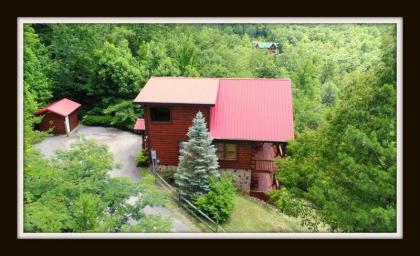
column 394, row 20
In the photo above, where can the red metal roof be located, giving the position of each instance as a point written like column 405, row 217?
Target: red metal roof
column 139, row 125
column 253, row 109
column 179, row 90
column 62, row 107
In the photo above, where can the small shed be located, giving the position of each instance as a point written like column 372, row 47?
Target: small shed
column 61, row 116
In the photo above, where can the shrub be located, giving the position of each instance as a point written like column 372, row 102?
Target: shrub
column 151, row 194
column 97, row 120
column 168, row 175
column 142, row 159
column 123, row 114
column 295, row 207
column 218, row 203
column 151, row 224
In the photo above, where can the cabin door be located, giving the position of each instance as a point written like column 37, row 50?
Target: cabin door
column 67, row 124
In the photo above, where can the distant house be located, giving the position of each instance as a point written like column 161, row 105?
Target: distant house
column 250, row 120
column 270, row 46
column 61, row 116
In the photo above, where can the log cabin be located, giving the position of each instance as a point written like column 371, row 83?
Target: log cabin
column 60, row 116
column 269, row 46
column 249, row 119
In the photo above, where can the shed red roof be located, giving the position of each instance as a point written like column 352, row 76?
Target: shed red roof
column 253, row 109
column 63, row 107
column 139, row 125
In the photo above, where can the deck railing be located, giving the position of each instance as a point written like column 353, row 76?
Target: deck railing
column 264, row 166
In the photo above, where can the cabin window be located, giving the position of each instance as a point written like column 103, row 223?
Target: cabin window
column 226, row 151
column 160, row 114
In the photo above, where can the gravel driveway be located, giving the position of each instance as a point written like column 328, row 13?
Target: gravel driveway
column 123, row 145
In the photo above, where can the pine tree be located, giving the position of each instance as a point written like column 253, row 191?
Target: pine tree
column 197, row 161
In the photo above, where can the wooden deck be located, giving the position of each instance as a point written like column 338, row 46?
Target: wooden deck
column 263, row 159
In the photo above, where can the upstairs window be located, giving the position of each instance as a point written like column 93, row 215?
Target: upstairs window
column 160, row 114
column 226, row 151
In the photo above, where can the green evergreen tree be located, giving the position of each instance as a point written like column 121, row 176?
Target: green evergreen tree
column 197, row 161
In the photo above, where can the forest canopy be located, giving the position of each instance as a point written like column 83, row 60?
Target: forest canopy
column 343, row 160
column 100, row 65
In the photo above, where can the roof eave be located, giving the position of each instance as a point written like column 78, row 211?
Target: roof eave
column 38, row 113
column 254, row 140
column 173, row 103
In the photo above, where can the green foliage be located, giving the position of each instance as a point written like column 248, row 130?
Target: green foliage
column 36, row 84
column 86, row 211
column 150, row 224
column 168, row 175
column 186, row 54
column 94, row 120
column 154, row 196
column 118, row 74
column 100, row 65
column 30, row 120
column 124, row 114
column 142, row 159
column 74, row 193
column 309, row 115
column 36, row 67
column 197, row 161
column 218, row 203
column 343, row 84
column 94, row 64
column 348, row 167
column 328, row 94
column 295, row 208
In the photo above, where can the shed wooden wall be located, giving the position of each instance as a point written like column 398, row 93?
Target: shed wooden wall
column 164, row 137
column 56, row 122
column 73, row 120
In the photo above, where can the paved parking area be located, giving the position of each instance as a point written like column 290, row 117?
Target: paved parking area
column 123, row 145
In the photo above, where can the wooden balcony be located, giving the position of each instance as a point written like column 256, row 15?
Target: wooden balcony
column 263, row 157
column 263, row 168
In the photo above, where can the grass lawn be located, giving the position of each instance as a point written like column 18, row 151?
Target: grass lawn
column 176, row 210
column 249, row 215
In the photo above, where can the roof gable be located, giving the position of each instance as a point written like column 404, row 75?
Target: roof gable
column 63, row 107
column 179, row 90
column 253, row 109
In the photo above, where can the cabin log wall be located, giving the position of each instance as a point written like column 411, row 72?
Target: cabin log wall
column 164, row 137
